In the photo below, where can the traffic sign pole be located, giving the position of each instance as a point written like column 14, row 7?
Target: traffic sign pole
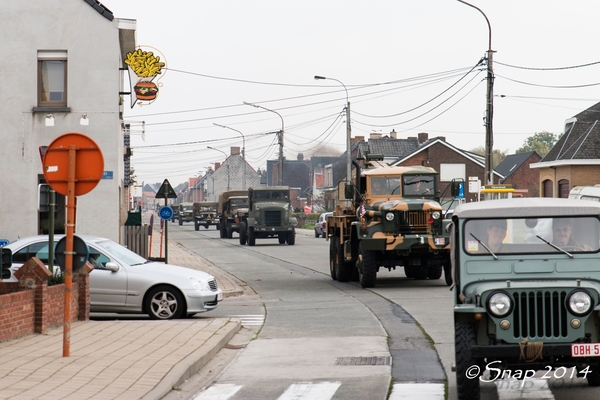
column 69, row 250
column 166, row 229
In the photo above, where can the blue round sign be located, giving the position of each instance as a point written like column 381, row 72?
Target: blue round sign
column 165, row 212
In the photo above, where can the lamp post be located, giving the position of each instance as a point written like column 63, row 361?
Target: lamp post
column 280, row 134
column 243, row 151
column 212, row 148
column 489, row 135
column 348, row 130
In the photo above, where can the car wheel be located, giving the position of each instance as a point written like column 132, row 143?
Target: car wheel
column 243, row 233
column 467, row 385
column 367, row 275
column 251, row 237
column 316, row 233
column 291, row 238
column 164, row 302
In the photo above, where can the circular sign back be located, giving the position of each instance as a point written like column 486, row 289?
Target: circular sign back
column 80, row 248
column 88, row 158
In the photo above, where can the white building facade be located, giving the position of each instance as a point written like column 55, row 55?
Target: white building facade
column 63, row 72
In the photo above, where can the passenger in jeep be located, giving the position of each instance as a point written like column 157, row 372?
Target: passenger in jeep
column 562, row 228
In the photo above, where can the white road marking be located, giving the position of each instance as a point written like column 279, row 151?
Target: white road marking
column 250, row 320
column 414, row 390
column 219, row 392
column 310, row 391
column 509, row 389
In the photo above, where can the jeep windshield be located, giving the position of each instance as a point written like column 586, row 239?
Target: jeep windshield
column 532, row 235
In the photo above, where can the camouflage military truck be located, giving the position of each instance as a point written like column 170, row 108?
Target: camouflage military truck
column 269, row 216
column 232, row 208
column 186, row 213
column 391, row 218
column 205, row 214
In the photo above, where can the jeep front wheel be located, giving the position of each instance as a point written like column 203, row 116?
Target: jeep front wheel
column 464, row 339
column 367, row 274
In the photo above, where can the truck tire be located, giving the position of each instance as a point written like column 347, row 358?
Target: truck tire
column 434, row 271
column 206, row 226
column 196, row 225
column 343, row 268
column 281, row 237
column 333, row 245
column 229, row 231
column 464, row 338
column 180, row 221
column 222, row 230
column 243, row 233
column 251, row 237
column 448, row 273
column 291, row 237
column 368, row 272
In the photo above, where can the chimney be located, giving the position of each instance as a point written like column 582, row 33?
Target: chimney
column 217, row 165
column 393, row 134
column 235, row 150
column 442, row 138
column 357, row 139
column 375, row 136
column 300, row 156
column 423, row 137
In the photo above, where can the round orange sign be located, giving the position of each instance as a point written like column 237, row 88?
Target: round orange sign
column 86, row 156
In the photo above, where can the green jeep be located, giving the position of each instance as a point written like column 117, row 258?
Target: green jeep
column 526, row 290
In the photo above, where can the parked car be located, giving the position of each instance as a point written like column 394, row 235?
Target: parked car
column 321, row 225
column 124, row 282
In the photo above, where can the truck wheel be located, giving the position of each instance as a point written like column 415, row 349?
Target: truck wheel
column 281, row 237
column 251, row 237
column 334, row 243
column 229, row 231
column 448, row 273
column 196, row 225
column 464, row 338
column 593, row 377
column 243, row 234
column 206, row 226
column 434, row 271
column 368, row 273
column 222, row 231
column 343, row 269
column 180, row 221
column 291, row 238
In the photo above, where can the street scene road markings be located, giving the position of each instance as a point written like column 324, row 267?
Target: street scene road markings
column 250, row 320
column 414, row 390
column 310, row 391
column 219, row 392
column 512, row 388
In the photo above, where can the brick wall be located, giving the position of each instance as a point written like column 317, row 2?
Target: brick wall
column 31, row 306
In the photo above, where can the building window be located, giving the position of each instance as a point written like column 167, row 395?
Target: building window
column 52, row 78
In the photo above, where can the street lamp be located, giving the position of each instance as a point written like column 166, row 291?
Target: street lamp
column 348, row 131
column 489, row 135
column 212, row 148
column 243, row 151
column 280, row 134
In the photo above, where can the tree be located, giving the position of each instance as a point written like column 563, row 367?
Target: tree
column 497, row 155
column 540, row 142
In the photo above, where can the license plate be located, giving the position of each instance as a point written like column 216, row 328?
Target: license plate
column 585, row 350
column 220, row 296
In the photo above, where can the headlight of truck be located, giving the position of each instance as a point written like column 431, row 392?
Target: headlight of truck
column 579, row 302
column 499, row 304
column 436, row 215
column 389, row 216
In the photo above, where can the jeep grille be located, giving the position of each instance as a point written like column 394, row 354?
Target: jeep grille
column 540, row 314
column 273, row 218
column 412, row 222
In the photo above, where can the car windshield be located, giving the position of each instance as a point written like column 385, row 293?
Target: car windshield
column 532, row 235
column 121, row 252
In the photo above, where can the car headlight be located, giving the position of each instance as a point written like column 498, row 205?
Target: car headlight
column 389, row 216
column 579, row 302
column 499, row 304
column 200, row 285
column 436, row 215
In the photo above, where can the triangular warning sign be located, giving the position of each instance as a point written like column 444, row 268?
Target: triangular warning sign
column 166, row 191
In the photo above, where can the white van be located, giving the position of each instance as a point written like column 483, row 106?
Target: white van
column 585, row 193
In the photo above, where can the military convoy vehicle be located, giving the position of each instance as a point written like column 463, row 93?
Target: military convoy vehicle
column 526, row 291
column 269, row 216
column 232, row 209
column 389, row 217
column 175, row 208
column 205, row 214
column 186, row 213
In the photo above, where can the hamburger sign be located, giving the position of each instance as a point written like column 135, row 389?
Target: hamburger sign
column 143, row 67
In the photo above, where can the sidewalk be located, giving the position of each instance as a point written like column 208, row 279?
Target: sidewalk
column 126, row 359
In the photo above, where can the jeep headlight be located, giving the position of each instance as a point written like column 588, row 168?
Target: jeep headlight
column 579, row 302
column 389, row 216
column 499, row 304
column 436, row 215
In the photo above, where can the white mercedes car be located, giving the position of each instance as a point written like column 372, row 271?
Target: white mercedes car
column 124, row 282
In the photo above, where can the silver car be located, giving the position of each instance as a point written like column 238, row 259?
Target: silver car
column 321, row 225
column 124, row 282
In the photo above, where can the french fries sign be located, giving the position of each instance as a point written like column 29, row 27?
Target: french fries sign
column 144, row 67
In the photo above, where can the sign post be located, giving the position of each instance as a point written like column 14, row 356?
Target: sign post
column 73, row 165
column 166, row 192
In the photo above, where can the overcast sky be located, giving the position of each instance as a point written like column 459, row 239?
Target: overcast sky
column 411, row 66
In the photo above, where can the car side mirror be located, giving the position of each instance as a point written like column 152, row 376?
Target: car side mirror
column 111, row 267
